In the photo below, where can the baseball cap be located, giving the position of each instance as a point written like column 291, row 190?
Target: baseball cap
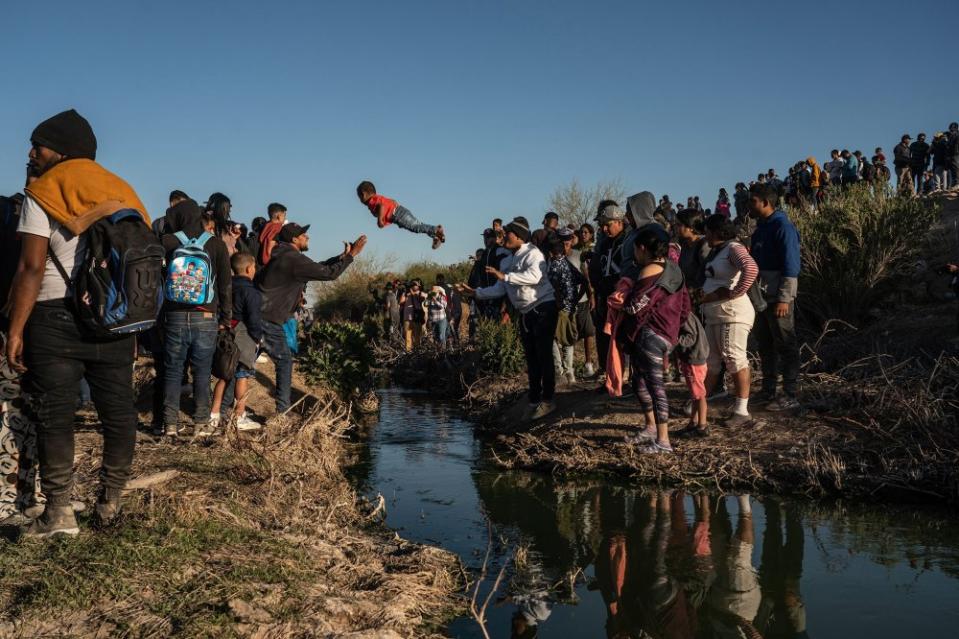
column 565, row 233
column 291, row 231
column 611, row 212
column 489, row 233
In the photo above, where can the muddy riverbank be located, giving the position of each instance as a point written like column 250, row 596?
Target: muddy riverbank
column 247, row 535
column 879, row 421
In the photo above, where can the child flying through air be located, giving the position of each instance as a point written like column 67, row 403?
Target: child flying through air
column 388, row 212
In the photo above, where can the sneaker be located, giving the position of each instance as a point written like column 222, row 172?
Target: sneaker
column 738, row 420
column 692, row 430
column 645, row 436
column 570, row 378
column 763, row 396
column 244, row 423
column 782, row 404
column 55, row 520
column 722, row 393
column 530, row 409
column 588, row 370
column 439, row 238
column 205, row 430
column 655, row 448
column 171, row 430
column 157, row 430
column 544, row 409
column 108, row 506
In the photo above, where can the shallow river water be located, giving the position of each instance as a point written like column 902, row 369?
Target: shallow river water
column 591, row 558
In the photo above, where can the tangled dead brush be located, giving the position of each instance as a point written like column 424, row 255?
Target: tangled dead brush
column 901, row 420
column 251, row 536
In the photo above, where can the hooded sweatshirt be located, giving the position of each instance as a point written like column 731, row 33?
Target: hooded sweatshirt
column 641, row 206
column 285, row 277
column 185, row 216
column 775, row 248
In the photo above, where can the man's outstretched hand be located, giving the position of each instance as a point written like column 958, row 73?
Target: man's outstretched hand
column 354, row 248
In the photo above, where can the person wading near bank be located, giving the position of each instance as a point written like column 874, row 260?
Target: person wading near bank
column 199, row 302
column 70, row 194
column 775, row 248
column 605, row 266
column 524, row 280
column 283, row 281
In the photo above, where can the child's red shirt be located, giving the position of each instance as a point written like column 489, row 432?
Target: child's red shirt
column 389, row 206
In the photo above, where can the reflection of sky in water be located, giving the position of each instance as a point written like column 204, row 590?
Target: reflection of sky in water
column 807, row 571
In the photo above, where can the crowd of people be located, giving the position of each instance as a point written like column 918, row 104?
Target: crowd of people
column 678, row 293
column 89, row 279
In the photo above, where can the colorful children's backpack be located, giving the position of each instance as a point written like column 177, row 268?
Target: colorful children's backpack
column 190, row 278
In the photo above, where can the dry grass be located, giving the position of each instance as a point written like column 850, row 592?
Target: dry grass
column 255, row 536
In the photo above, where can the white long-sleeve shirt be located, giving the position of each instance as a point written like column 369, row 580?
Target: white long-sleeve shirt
column 525, row 283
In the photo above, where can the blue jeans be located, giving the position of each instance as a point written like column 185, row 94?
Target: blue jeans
column 274, row 339
column 406, row 220
column 189, row 335
column 440, row 329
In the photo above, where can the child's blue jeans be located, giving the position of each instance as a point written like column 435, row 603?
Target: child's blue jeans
column 406, row 220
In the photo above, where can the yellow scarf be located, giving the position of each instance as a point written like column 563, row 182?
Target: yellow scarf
column 816, row 172
column 77, row 193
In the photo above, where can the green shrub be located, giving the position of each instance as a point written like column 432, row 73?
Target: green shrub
column 855, row 247
column 499, row 348
column 339, row 355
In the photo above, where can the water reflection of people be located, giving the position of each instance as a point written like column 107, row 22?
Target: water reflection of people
column 782, row 612
column 530, row 592
column 735, row 596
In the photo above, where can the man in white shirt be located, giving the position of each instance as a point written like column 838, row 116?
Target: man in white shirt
column 522, row 276
column 45, row 339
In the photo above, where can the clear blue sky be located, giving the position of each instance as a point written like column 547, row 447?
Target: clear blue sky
column 465, row 111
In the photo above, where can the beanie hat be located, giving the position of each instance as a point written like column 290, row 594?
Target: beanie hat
column 519, row 228
column 68, row 133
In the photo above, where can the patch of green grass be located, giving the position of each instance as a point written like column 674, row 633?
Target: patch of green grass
column 185, row 574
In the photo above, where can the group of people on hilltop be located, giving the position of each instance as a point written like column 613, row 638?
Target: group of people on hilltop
column 921, row 168
column 650, row 292
column 214, row 278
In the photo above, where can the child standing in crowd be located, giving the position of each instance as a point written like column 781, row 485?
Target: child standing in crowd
column 568, row 285
column 436, row 307
column 659, row 304
column 247, row 323
column 387, row 211
column 692, row 352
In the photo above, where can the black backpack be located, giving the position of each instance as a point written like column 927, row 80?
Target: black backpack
column 226, row 357
column 119, row 287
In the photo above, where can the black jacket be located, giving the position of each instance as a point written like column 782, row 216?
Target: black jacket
column 248, row 306
column 185, row 217
column 919, row 155
column 493, row 257
column 283, row 280
column 901, row 155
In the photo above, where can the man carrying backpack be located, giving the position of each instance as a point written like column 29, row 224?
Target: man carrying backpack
column 282, row 281
column 70, row 195
column 197, row 300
